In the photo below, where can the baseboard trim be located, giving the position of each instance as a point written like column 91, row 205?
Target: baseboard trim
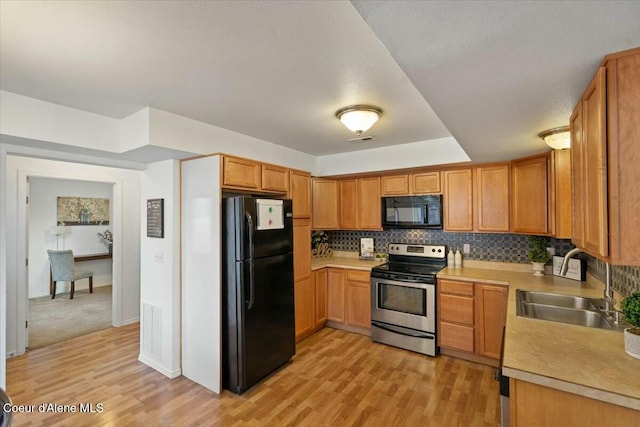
column 129, row 321
column 158, row 367
column 470, row 357
column 349, row 328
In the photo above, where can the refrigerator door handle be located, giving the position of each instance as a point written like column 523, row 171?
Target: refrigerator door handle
column 251, row 281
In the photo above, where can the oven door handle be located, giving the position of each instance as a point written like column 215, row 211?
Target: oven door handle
column 402, row 331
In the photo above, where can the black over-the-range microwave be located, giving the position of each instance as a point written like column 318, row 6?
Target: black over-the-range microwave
column 412, row 212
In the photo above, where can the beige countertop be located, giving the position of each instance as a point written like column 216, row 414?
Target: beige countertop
column 351, row 262
column 586, row 361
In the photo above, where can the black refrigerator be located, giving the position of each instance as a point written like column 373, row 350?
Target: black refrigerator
column 258, row 325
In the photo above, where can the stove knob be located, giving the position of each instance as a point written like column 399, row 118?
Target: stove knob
column 439, row 250
column 433, row 250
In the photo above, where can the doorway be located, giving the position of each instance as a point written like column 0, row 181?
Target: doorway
column 125, row 263
column 55, row 320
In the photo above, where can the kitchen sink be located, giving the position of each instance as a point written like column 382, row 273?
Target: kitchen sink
column 557, row 300
column 570, row 309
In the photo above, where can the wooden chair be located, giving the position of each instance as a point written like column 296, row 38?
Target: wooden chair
column 62, row 269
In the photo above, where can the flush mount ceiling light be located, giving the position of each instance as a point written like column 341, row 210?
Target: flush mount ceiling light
column 557, row 138
column 359, row 118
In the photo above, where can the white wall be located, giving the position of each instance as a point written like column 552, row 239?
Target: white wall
column 82, row 239
column 415, row 154
column 126, row 230
column 31, row 118
column 201, row 297
column 172, row 131
column 160, row 272
column 34, row 119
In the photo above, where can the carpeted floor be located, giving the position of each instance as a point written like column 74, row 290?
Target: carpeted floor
column 60, row 319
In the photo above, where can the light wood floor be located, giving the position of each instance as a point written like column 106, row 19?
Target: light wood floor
column 337, row 379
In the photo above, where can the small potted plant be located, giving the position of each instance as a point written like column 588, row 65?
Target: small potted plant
column 631, row 310
column 538, row 254
column 107, row 237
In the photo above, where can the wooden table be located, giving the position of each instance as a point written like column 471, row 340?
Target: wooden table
column 79, row 258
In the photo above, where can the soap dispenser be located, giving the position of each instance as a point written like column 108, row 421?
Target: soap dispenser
column 450, row 258
column 457, row 263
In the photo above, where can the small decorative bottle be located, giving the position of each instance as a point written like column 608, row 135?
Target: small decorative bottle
column 457, row 263
column 450, row 258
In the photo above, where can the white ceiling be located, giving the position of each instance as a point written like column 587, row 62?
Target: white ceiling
column 496, row 73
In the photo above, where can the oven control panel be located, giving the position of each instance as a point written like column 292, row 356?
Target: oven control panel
column 425, row 251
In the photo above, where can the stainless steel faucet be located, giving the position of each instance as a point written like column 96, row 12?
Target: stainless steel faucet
column 609, row 302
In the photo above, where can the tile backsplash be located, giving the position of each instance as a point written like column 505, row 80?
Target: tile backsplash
column 484, row 247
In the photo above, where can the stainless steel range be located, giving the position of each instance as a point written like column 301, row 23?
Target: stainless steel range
column 403, row 297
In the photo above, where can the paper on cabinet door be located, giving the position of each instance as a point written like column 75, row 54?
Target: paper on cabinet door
column 270, row 214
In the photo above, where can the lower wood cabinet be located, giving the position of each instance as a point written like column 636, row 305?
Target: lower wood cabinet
column 320, row 286
column 456, row 308
column 336, row 296
column 358, row 299
column 491, row 315
column 349, row 299
column 536, row 405
column 304, row 307
column 311, row 303
column 471, row 317
column 302, row 277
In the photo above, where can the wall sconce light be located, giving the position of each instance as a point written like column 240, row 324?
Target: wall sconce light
column 359, row 118
column 557, row 138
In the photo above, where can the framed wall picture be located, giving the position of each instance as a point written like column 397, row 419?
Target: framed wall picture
column 155, row 218
column 82, row 211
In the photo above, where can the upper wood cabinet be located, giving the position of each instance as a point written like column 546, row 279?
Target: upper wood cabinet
column 577, row 180
column 458, row 200
column 300, row 193
column 411, row 184
column 560, row 194
column 240, row 173
column 244, row 174
column 605, row 130
column 425, row 183
column 594, row 137
column 369, row 208
column 491, row 208
column 324, row 196
column 275, row 178
column 348, row 204
column 394, row 185
column 623, row 138
column 529, row 195
column 360, row 204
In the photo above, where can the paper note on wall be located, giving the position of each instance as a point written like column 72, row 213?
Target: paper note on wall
column 270, row 214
